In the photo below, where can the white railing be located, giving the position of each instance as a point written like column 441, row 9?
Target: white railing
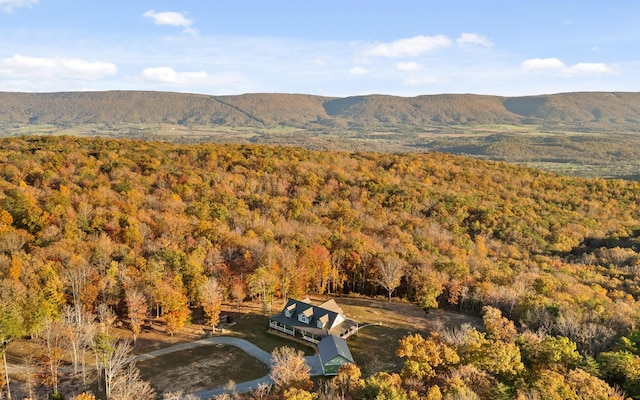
column 350, row 332
column 284, row 329
column 310, row 339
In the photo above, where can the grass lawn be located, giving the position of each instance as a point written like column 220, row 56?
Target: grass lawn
column 251, row 325
column 374, row 347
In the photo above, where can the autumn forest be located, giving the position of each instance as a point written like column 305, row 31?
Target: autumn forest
column 123, row 229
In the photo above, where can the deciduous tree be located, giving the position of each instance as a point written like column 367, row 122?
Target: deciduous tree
column 11, row 321
column 428, row 286
column 122, row 377
column 384, row 385
column 546, row 352
column 211, row 300
column 262, row 283
column 348, row 381
column 118, row 358
column 129, row 385
column 290, row 369
column 137, row 310
column 52, row 341
column 79, row 335
column 425, row 357
column 238, row 291
column 390, row 272
column 175, row 307
column 298, row 394
column 497, row 326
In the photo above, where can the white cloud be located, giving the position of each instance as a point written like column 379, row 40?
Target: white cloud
column 409, row 47
column 540, row 64
column 56, row 67
column 589, row 69
column 358, row 71
column 170, row 76
column 9, row 5
column 554, row 64
column 171, row 18
column 408, row 66
column 473, row 40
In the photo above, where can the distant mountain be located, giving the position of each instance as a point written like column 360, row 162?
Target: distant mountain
column 582, row 111
column 585, row 134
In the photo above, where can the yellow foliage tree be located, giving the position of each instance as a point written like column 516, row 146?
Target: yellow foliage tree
column 425, row 356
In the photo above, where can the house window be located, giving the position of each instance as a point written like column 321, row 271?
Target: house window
column 288, row 312
column 303, row 318
column 322, row 321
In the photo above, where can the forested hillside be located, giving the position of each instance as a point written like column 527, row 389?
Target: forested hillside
column 575, row 111
column 88, row 222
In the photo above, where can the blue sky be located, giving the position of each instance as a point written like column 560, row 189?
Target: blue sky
column 332, row 48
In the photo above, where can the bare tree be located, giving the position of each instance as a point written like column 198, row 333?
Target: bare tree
column 129, row 385
column 290, row 369
column 211, row 300
column 30, row 375
column 121, row 376
column 390, row 273
column 106, row 317
column 261, row 392
column 77, row 272
column 87, row 338
column 52, row 342
column 76, row 331
column 116, row 365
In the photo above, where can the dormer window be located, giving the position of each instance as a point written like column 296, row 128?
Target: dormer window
column 306, row 315
column 322, row 321
column 288, row 312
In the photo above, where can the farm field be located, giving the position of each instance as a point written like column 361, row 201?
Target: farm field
column 567, row 152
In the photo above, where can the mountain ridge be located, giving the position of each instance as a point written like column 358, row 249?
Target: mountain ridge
column 612, row 111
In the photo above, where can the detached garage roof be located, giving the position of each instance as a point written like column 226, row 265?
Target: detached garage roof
column 332, row 347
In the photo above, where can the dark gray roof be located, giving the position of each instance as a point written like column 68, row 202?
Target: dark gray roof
column 331, row 347
column 333, row 322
